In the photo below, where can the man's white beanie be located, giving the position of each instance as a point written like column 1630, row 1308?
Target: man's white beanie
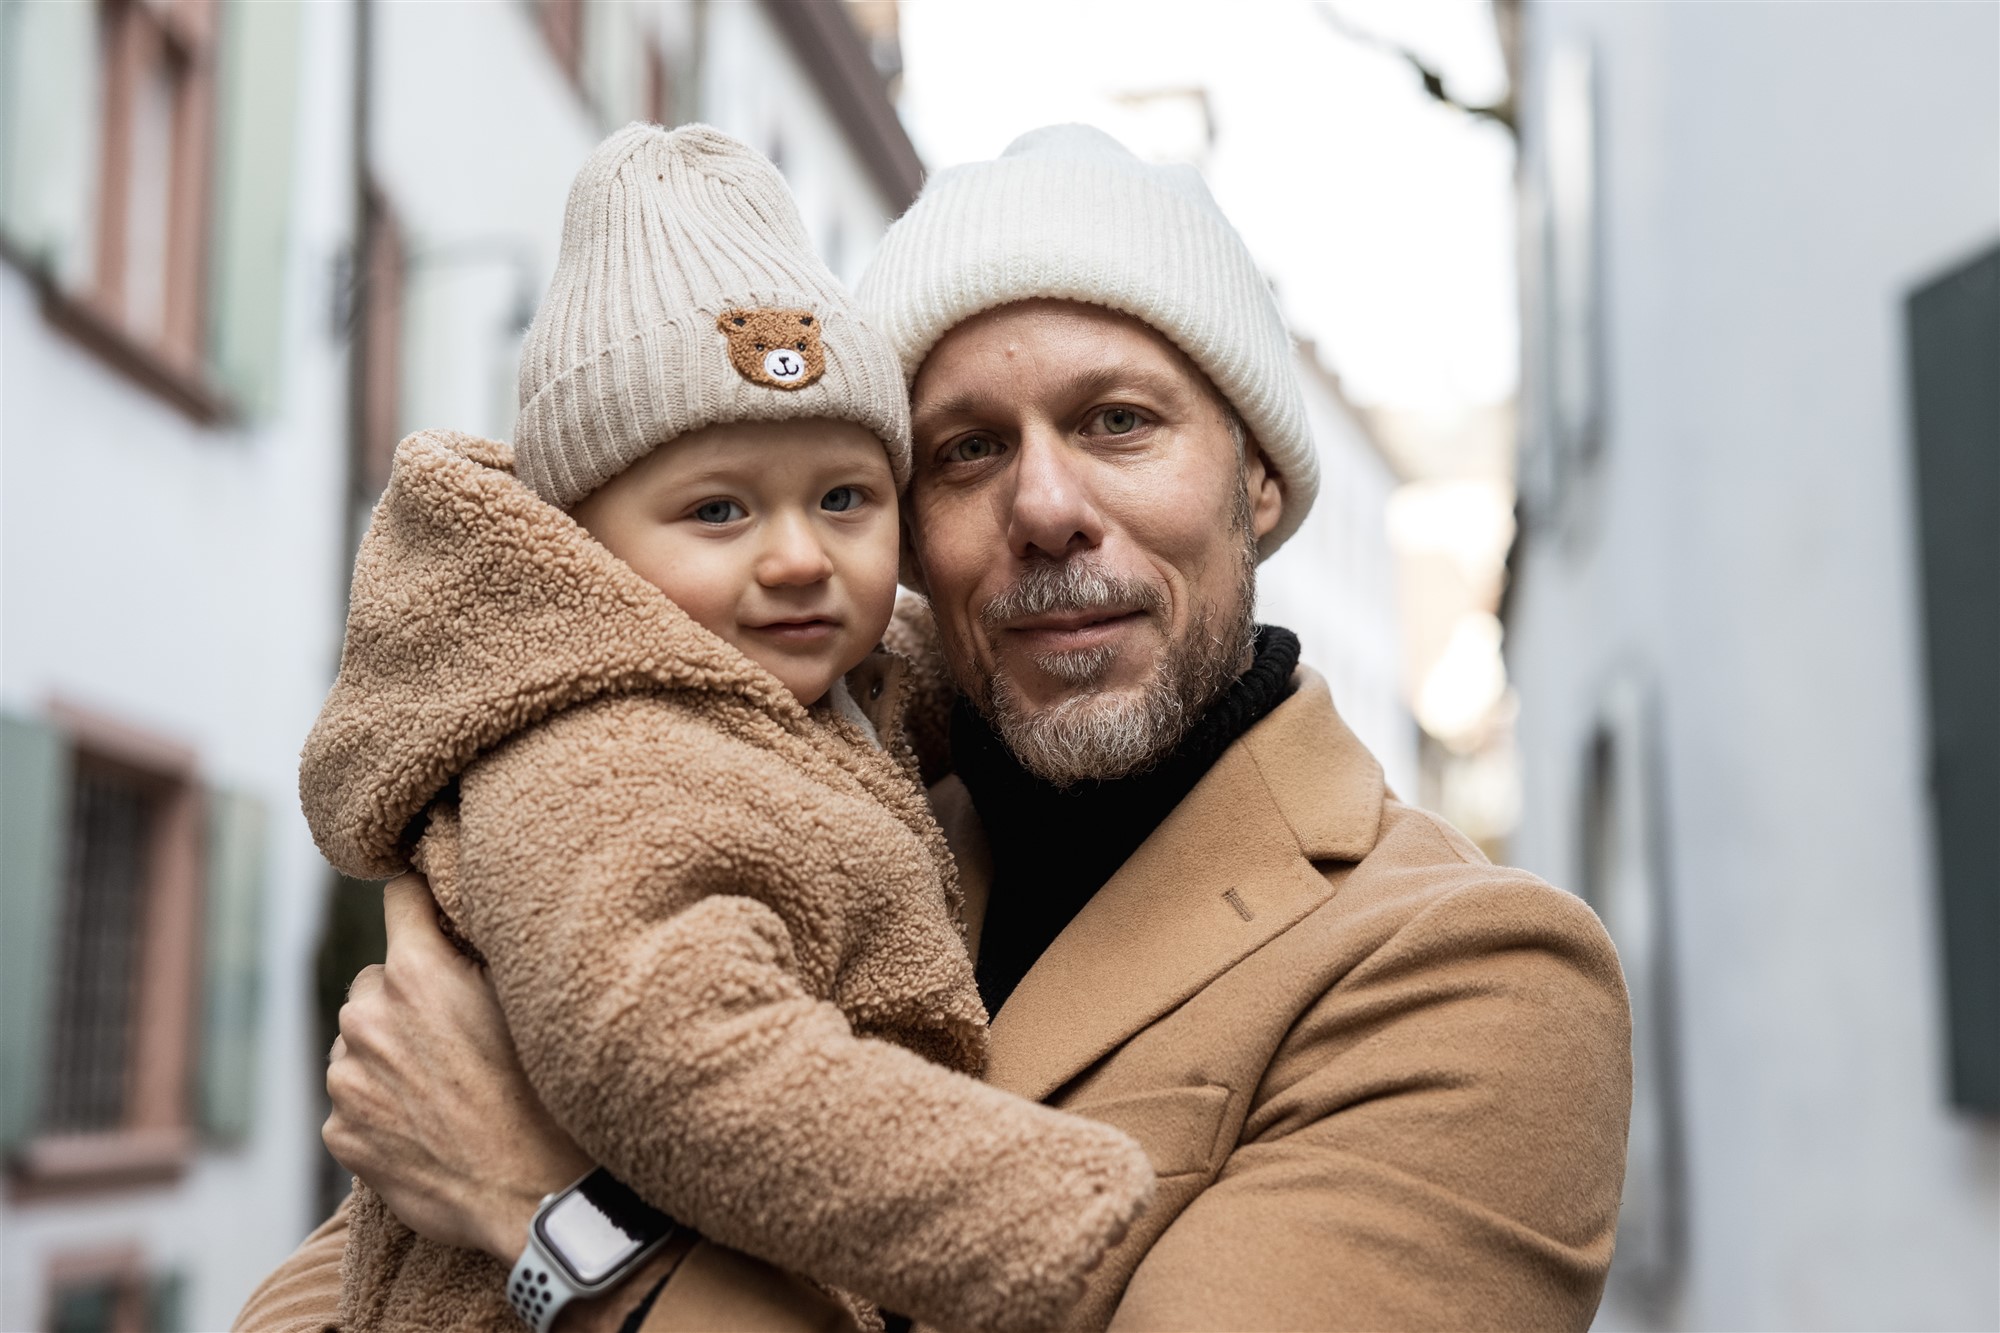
column 1067, row 212
column 686, row 295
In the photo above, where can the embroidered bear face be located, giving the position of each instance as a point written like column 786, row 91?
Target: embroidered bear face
column 776, row 348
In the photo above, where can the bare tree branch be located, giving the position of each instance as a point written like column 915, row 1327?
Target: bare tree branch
column 1501, row 112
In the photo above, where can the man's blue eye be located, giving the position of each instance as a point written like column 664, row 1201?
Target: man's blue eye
column 840, row 499
column 717, row 511
column 972, row 449
column 1119, row 420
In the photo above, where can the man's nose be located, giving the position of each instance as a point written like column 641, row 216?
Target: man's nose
column 1053, row 512
column 792, row 554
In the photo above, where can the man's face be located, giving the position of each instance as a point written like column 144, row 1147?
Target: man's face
column 1086, row 520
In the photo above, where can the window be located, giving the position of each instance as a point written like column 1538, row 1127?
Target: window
column 154, row 179
column 146, row 159
column 129, row 903
column 1624, row 880
column 111, row 1292
column 384, row 266
column 114, row 1087
column 562, row 27
column 659, row 89
column 1563, row 384
column 113, row 818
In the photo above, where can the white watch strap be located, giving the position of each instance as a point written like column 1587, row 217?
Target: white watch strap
column 537, row 1288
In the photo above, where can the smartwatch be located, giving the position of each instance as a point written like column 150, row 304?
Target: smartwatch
column 583, row 1240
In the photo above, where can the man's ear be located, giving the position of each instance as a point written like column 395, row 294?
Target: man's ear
column 1266, row 489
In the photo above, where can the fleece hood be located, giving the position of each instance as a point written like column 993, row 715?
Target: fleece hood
column 479, row 609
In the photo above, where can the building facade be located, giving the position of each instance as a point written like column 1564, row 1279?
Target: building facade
column 247, row 246
column 1334, row 584
column 1717, row 625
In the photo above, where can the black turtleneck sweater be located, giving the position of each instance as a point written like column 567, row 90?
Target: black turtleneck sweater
column 1054, row 847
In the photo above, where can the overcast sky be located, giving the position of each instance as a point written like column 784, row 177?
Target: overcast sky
column 1384, row 218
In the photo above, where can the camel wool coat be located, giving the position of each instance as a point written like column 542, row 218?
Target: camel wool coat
column 722, row 925
column 1384, row 1083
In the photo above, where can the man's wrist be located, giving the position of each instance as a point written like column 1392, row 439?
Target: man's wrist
column 507, row 1224
column 511, row 1209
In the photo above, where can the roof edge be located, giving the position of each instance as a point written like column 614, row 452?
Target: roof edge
column 825, row 40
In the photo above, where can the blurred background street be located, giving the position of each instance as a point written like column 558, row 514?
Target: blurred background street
column 1653, row 355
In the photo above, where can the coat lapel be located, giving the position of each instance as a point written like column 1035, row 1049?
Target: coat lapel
column 1230, row 868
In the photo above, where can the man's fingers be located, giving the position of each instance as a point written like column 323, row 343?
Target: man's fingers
column 366, row 982
column 408, row 910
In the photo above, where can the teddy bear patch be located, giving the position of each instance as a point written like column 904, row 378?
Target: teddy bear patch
column 776, row 348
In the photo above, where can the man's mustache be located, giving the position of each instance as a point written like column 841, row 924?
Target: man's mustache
column 1070, row 585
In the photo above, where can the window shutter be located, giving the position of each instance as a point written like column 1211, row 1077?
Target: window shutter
column 258, row 116
column 166, row 1302
column 49, row 135
column 34, row 800
column 233, row 982
column 1954, row 345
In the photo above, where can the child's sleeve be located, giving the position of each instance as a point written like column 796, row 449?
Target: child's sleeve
column 664, row 1023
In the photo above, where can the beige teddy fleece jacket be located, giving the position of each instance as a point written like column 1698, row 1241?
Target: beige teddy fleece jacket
column 723, row 926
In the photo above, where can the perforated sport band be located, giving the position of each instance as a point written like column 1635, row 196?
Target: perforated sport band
column 537, row 1288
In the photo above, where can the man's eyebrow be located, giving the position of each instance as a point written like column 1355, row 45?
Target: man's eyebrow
column 1081, row 384
column 964, row 403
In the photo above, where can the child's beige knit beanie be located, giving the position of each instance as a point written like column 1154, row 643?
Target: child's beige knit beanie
column 688, row 295
column 1068, row 212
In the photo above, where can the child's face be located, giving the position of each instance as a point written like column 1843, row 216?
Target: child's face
column 779, row 537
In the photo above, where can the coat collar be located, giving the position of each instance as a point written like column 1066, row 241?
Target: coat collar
column 1230, row 868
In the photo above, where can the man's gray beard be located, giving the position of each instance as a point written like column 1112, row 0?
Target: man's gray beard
column 1088, row 735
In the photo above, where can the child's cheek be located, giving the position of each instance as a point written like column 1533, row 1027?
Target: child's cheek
column 875, row 584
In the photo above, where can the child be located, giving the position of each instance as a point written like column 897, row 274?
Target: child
column 616, row 694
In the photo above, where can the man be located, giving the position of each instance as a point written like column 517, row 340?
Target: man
column 1382, row 1082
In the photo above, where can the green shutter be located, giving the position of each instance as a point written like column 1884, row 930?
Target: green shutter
column 166, row 1302
column 34, row 800
column 49, row 133
column 232, row 980
column 1954, row 348
column 258, row 115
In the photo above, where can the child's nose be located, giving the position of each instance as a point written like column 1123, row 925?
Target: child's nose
column 792, row 555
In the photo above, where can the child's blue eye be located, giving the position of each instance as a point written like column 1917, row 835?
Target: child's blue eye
column 718, row 511
column 840, row 499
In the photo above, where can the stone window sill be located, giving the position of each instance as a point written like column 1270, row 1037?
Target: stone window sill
column 59, row 1165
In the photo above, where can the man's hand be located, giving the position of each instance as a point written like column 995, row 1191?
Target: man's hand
column 430, row 1105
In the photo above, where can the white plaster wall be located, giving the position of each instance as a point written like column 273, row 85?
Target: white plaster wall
column 186, row 579
column 1333, row 584
column 754, row 88
column 476, row 134
column 1775, row 179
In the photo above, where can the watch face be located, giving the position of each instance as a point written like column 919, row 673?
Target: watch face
column 585, row 1239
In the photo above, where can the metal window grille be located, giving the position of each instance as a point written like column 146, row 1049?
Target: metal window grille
column 121, row 1299
column 112, row 815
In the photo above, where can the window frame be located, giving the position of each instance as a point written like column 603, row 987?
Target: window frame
column 156, row 1140
column 134, row 37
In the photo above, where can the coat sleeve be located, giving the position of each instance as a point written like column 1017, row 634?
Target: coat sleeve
column 302, row 1295
column 1439, row 1142
column 657, row 1006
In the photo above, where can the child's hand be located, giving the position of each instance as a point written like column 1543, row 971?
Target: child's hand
column 430, row 1106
